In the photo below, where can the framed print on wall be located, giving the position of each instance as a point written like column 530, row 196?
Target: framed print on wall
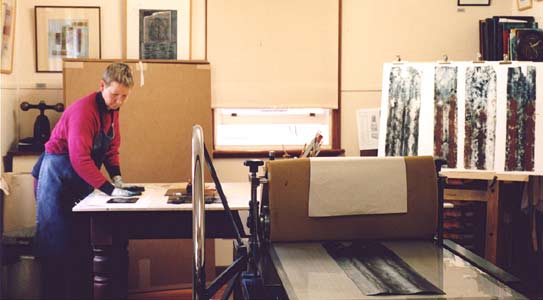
column 473, row 2
column 65, row 31
column 158, row 29
column 7, row 24
column 524, row 4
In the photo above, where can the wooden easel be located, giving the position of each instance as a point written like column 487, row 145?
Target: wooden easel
column 490, row 195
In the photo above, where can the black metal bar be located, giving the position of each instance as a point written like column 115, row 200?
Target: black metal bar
column 253, row 219
column 440, row 201
column 239, row 224
column 233, row 270
column 1, row 234
column 481, row 263
column 440, row 204
column 218, row 186
column 230, row 287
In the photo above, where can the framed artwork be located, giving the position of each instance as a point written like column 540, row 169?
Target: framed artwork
column 473, row 2
column 158, row 29
column 524, row 4
column 8, row 34
column 65, row 31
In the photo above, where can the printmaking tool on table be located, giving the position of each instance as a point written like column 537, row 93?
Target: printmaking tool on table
column 137, row 190
column 184, row 195
column 123, row 200
column 313, row 149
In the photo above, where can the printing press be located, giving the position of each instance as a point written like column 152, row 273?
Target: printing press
column 343, row 228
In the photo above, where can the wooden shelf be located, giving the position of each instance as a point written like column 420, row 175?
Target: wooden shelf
column 265, row 153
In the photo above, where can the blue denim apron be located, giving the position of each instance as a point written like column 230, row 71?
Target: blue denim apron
column 59, row 189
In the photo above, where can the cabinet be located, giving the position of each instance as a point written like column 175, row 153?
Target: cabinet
column 20, row 160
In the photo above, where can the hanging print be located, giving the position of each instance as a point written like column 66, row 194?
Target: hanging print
column 480, row 118
column 520, row 134
column 404, row 98
column 445, row 114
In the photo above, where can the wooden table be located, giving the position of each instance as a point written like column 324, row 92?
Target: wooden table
column 113, row 224
column 491, row 195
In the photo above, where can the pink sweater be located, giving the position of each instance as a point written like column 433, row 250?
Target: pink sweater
column 74, row 134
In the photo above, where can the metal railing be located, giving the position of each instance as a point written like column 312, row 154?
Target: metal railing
column 232, row 276
column 198, row 214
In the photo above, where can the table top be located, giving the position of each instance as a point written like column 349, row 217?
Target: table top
column 486, row 175
column 308, row 272
column 237, row 194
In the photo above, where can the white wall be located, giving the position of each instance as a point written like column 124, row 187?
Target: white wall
column 536, row 11
column 8, row 120
column 374, row 32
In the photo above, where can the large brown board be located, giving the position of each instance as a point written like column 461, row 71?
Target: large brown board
column 156, row 121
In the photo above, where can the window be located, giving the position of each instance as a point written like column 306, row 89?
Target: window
column 264, row 129
column 288, row 60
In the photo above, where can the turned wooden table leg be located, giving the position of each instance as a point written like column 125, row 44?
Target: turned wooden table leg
column 102, row 276
column 110, row 258
column 103, row 245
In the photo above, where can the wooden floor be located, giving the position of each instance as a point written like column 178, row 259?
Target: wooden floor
column 185, row 294
column 182, row 294
column 21, row 280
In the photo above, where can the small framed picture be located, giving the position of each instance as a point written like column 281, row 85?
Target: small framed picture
column 7, row 23
column 524, row 4
column 473, row 2
column 65, row 31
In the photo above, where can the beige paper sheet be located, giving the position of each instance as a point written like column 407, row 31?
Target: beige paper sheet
column 343, row 186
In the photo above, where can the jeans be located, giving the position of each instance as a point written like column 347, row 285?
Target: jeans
column 62, row 237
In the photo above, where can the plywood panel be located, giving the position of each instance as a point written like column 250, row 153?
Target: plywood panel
column 156, row 121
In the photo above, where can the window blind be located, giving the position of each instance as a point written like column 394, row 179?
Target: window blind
column 279, row 54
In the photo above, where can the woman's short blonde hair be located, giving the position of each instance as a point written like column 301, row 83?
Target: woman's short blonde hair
column 120, row 73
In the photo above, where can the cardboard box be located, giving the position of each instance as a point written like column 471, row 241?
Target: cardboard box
column 20, row 204
column 164, row 264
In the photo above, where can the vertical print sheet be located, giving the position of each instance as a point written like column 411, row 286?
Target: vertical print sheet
column 520, row 124
column 538, row 168
column 404, row 99
column 480, row 117
column 404, row 89
column 446, row 113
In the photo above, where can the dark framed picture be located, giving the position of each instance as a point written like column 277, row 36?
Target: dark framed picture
column 158, row 29
column 473, row 2
column 65, row 31
column 158, row 34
